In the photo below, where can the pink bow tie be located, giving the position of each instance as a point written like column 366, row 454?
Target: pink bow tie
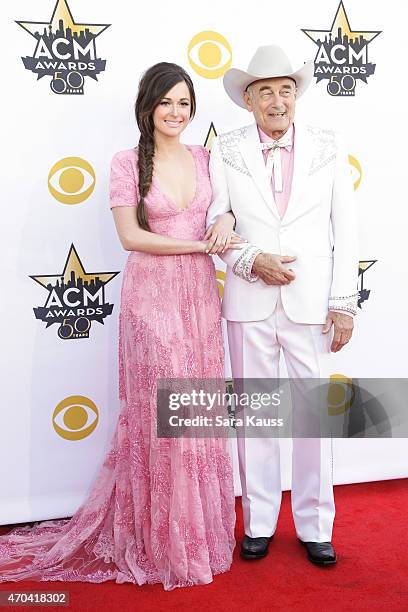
column 273, row 161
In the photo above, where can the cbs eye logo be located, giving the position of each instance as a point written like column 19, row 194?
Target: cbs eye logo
column 340, row 395
column 220, row 275
column 209, row 54
column 75, row 417
column 71, row 180
column 356, row 171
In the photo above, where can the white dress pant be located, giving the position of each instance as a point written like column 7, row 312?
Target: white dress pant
column 255, row 350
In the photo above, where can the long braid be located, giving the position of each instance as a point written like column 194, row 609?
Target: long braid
column 145, row 168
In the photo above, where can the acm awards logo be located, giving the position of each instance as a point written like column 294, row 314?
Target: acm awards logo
column 64, row 50
column 342, row 55
column 75, row 417
column 75, row 298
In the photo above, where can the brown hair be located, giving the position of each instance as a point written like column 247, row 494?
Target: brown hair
column 153, row 86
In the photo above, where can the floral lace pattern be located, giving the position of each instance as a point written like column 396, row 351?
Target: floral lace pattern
column 325, row 148
column 160, row 510
column 229, row 147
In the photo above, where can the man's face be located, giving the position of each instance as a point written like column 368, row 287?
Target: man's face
column 272, row 101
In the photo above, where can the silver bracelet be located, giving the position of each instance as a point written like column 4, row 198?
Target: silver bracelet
column 244, row 263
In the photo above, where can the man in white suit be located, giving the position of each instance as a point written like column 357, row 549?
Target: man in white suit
column 294, row 287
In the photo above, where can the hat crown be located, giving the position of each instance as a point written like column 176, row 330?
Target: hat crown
column 270, row 60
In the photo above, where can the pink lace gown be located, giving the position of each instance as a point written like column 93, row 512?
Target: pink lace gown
column 160, row 510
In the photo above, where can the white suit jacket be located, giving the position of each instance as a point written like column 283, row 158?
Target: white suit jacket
column 319, row 225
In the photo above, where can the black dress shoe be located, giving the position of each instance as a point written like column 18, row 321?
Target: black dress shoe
column 321, row 553
column 255, row 548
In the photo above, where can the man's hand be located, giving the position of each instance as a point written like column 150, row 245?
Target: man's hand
column 271, row 269
column 343, row 329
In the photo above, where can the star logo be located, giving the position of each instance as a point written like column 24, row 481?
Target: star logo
column 75, row 298
column 74, row 270
column 61, row 13
column 65, row 50
column 211, row 134
column 363, row 266
column 342, row 56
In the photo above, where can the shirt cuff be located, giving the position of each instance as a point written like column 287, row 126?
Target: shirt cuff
column 351, row 314
column 244, row 263
column 346, row 304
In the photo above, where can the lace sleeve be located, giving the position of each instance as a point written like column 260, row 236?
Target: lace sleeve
column 202, row 156
column 123, row 184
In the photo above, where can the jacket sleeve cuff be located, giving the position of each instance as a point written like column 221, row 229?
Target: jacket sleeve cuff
column 244, row 263
column 347, row 303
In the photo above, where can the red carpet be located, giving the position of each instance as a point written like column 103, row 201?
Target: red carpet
column 370, row 536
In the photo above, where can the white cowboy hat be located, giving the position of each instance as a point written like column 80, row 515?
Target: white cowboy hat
column 268, row 62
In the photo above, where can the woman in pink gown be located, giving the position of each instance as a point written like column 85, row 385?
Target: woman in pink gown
column 160, row 509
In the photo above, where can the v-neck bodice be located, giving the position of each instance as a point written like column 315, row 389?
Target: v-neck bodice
column 157, row 186
column 163, row 214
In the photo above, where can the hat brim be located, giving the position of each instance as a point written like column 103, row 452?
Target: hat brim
column 236, row 81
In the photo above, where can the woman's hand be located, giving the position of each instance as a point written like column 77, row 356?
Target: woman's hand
column 221, row 235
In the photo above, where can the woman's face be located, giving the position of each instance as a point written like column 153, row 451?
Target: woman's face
column 172, row 114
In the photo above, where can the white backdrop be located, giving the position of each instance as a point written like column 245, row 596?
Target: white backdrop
column 45, row 473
